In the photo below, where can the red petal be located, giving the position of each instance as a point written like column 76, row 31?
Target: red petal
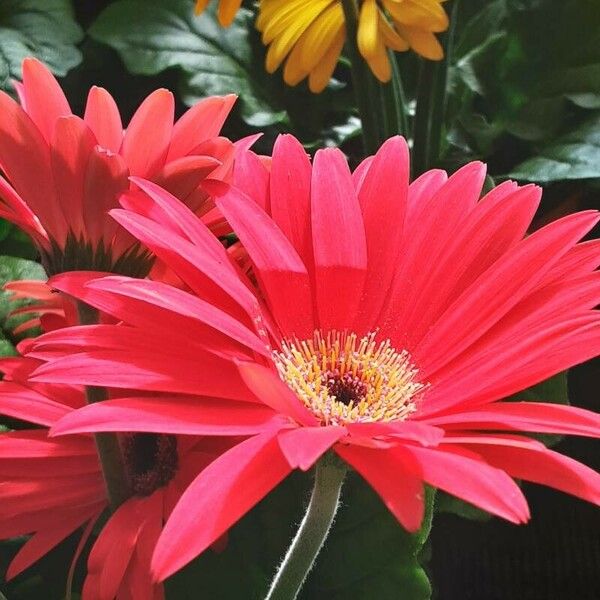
column 43, row 541
column 303, row 446
column 404, row 430
column 529, row 460
column 202, row 122
column 499, row 289
column 251, row 176
column 44, row 100
column 387, row 472
column 524, row 416
column 216, row 499
column 290, row 194
column 339, row 244
column 103, row 118
column 72, row 144
column 268, row 387
column 114, row 547
column 148, row 134
column 466, row 476
column 19, row 402
column 280, row 270
column 176, row 415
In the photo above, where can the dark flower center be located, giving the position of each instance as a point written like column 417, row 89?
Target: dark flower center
column 151, row 460
column 347, row 388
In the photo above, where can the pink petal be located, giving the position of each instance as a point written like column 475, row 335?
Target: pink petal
column 386, row 471
column 23, row 151
column 19, row 402
column 190, row 416
column 103, row 118
column 72, row 144
column 525, row 459
column 517, row 364
column 148, row 370
column 339, row 243
column 43, row 541
column 182, row 176
column 524, row 416
column 444, row 213
column 251, row 176
column 148, row 134
column 143, row 302
column 207, row 276
column 202, row 122
column 268, row 387
column 114, row 548
column 303, row 446
column 493, row 294
column 466, row 476
column 290, row 194
column 496, row 224
column 403, row 430
column 382, row 197
column 217, row 498
column 44, row 100
column 420, row 190
column 281, row 272
column 105, row 180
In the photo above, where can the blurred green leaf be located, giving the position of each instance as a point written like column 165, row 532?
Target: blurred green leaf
column 367, row 554
column 574, row 155
column 46, row 30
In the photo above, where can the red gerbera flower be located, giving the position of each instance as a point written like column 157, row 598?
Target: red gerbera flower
column 388, row 323
column 52, row 487
column 64, row 172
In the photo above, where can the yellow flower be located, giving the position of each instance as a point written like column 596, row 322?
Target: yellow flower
column 399, row 25
column 225, row 12
column 309, row 35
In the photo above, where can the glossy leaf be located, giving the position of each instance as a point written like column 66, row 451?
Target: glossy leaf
column 46, row 30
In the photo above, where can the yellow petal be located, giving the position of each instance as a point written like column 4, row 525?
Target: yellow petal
column 422, row 42
column 319, row 37
column 227, row 11
column 320, row 76
column 368, row 30
column 427, row 15
column 390, row 37
column 200, row 6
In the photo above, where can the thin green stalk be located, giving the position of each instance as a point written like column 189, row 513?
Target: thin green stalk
column 422, row 138
column 365, row 85
column 107, row 444
column 431, row 104
column 301, row 556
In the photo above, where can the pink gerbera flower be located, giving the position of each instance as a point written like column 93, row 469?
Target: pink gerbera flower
column 52, row 487
column 389, row 322
column 63, row 173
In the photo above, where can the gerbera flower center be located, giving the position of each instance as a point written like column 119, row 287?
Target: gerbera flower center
column 342, row 378
column 151, row 460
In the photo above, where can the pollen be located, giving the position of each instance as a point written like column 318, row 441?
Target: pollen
column 343, row 378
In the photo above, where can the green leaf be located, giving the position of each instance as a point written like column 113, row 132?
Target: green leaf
column 46, row 30
column 153, row 35
column 367, row 554
column 575, row 155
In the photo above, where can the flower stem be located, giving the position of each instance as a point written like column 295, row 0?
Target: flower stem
column 366, row 88
column 107, row 444
column 301, row 555
column 431, row 104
